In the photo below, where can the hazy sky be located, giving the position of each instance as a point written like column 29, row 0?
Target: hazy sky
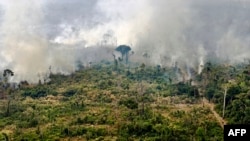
column 189, row 32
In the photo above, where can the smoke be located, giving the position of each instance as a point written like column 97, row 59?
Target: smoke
column 23, row 45
column 25, row 48
column 39, row 34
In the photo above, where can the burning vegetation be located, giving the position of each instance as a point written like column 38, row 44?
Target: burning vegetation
column 105, row 70
column 126, row 100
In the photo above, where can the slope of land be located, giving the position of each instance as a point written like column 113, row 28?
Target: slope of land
column 221, row 121
column 114, row 103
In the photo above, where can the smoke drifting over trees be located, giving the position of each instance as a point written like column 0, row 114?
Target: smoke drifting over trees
column 38, row 34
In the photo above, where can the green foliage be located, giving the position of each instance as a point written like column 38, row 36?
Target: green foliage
column 35, row 92
column 102, row 84
column 99, row 103
column 28, row 136
column 177, row 114
column 4, row 137
column 185, row 89
column 102, row 98
column 233, row 90
column 38, row 91
column 238, row 111
column 70, row 92
column 129, row 103
column 200, row 132
column 28, row 124
column 210, row 93
column 93, row 133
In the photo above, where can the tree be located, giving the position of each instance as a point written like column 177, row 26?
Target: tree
column 124, row 50
column 115, row 63
column 6, row 74
column 79, row 65
column 200, row 133
column 229, row 90
column 210, row 93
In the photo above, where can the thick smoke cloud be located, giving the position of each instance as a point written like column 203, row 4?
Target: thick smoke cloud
column 25, row 48
column 23, row 45
column 39, row 34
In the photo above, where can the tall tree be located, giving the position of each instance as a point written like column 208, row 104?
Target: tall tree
column 7, row 74
column 124, row 50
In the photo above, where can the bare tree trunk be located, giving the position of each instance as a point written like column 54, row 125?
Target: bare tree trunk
column 8, row 108
column 142, row 94
column 126, row 58
column 224, row 104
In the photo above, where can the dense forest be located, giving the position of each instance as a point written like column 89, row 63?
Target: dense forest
column 119, row 101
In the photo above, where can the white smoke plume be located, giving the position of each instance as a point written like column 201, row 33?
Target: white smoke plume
column 23, row 45
column 38, row 34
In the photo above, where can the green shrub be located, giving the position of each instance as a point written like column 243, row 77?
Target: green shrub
column 70, row 92
column 79, row 121
column 103, row 98
column 4, row 137
column 28, row 136
column 177, row 114
column 89, row 119
column 35, row 92
column 38, row 91
column 93, row 133
column 129, row 103
column 33, row 123
column 103, row 84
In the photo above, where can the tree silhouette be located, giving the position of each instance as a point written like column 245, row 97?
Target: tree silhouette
column 115, row 62
column 8, row 72
column 124, row 50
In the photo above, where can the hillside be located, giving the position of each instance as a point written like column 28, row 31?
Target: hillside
column 136, row 102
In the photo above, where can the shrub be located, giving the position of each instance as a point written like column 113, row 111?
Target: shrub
column 33, row 123
column 177, row 114
column 35, row 92
column 4, row 137
column 70, row 92
column 89, row 119
column 39, row 91
column 81, row 131
column 129, row 103
column 103, row 98
column 79, row 121
column 28, row 124
column 27, row 137
column 102, row 84
column 93, row 133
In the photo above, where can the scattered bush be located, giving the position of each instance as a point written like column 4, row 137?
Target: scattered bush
column 38, row 91
column 70, row 92
column 129, row 103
